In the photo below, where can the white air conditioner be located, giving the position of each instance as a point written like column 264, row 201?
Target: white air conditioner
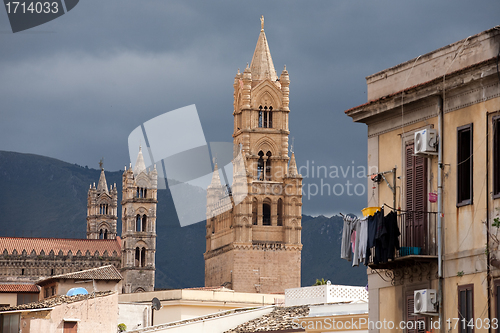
column 426, row 142
column 425, row 301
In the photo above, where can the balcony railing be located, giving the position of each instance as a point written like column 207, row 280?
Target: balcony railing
column 417, row 240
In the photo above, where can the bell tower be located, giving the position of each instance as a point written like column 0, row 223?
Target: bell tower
column 255, row 245
column 102, row 209
column 139, row 201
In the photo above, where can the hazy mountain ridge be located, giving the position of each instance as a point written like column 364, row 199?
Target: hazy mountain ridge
column 46, row 197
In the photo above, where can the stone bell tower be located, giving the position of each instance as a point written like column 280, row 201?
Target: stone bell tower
column 139, row 227
column 255, row 245
column 102, row 209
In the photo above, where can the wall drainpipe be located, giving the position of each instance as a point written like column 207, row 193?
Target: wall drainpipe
column 439, row 214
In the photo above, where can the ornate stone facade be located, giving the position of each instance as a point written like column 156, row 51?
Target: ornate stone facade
column 255, row 245
column 139, row 201
column 102, row 210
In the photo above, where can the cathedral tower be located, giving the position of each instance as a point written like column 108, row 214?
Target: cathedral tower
column 139, row 227
column 102, row 210
column 255, row 245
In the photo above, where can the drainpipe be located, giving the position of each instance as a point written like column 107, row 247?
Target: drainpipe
column 488, row 249
column 439, row 214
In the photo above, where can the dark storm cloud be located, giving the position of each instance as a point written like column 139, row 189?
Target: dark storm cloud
column 75, row 87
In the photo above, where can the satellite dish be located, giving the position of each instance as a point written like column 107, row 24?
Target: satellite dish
column 156, row 304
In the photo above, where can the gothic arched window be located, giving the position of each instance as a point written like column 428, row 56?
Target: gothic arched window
column 254, row 211
column 266, row 212
column 268, row 166
column 265, row 117
column 138, row 223
column 137, row 257
column 144, row 223
column 280, row 212
column 260, row 166
column 143, row 257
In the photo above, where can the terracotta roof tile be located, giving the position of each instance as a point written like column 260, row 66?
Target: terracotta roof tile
column 56, row 300
column 280, row 319
column 112, row 246
column 108, row 272
column 18, row 288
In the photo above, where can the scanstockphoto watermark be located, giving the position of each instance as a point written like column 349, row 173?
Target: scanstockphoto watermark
column 356, row 324
column 334, row 180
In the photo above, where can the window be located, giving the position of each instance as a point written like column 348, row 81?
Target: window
column 10, row 323
column 266, row 212
column 260, row 166
column 144, row 223
column 254, row 211
column 464, row 165
column 268, row 166
column 143, row 257
column 415, row 222
column 138, row 223
column 496, row 287
column 141, row 192
column 137, row 257
column 419, row 323
column 466, row 308
column 25, row 298
column 265, row 117
column 103, row 209
column 280, row 212
column 70, row 327
column 496, row 157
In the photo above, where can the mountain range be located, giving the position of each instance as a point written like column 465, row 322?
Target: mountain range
column 45, row 197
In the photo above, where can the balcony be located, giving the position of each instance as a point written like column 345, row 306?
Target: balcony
column 418, row 242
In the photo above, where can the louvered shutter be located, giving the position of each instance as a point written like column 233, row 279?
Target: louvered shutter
column 416, row 195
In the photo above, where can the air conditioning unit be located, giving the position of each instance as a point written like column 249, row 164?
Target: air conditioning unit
column 425, row 301
column 426, row 142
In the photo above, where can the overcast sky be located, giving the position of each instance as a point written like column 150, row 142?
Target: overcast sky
column 74, row 88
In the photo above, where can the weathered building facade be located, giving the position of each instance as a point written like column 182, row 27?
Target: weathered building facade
column 255, row 245
column 455, row 91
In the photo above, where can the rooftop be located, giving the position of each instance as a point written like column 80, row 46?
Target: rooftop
column 108, row 272
column 280, row 319
column 60, row 246
column 19, row 288
column 55, row 300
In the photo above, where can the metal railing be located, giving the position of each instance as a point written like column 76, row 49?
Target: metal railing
column 418, row 233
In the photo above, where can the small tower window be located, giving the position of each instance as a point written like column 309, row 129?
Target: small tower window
column 266, row 212
column 280, row 212
column 268, row 166
column 254, row 211
column 265, row 117
column 260, row 166
column 137, row 257
column 138, row 222
column 143, row 257
column 144, row 223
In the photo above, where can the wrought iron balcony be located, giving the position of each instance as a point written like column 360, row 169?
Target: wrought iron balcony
column 418, row 241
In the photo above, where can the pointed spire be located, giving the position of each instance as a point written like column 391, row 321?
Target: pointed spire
column 140, row 166
column 215, row 178
column 292, row 170
column 262, row 64
column 102, row 186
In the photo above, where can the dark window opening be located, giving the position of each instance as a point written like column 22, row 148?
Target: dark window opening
column 138, row 223
column 105, row 234
column 143, row 257
column 254, row 211
column 22, row 271
column 496, row 157
column 464, row 165
column 265, row 117
column 52, row 272
column 137, row 257
column 260, row 166
column 144, row 223
column 280, row 212
column 268, row 166
column 266, row 213
column 466, row 308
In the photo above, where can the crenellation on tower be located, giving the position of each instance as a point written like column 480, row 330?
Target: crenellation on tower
column 255, row 246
